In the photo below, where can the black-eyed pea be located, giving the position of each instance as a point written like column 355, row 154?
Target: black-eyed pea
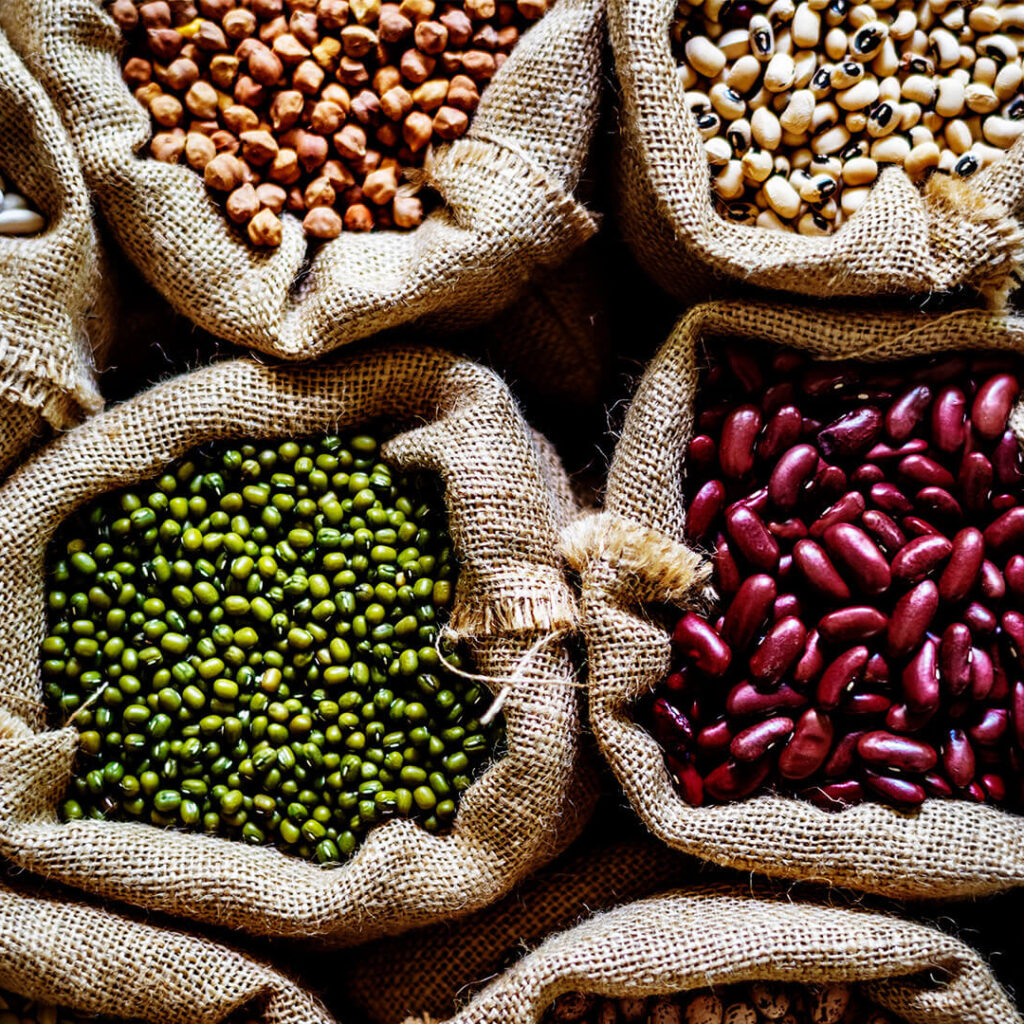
column 980, row 98
column 805, row 62
column 728, row 182
column 734, row 44
column 903, row 25
column 762, row 38
column 812, row 223
column 782, row 197
column 910, row 115
column 791, row 141
column 887, row 61
column 806, row 27
column 856, row 121
column 831, row 141
column 852, row 199
column 742, row 213
column 1014, row 110
column 949, row 100
column 868, row 39
column 958, row 137
column 1001, row 48
column 740, row 1013
column 665, row 1011
column 945, row 47
column 828, row 1003
column 757, row 165
column 696, row 101
column 708, row 123
column 860, row 15
column 822, row 163
column 782, row 165
column 829, row 210
column 824, row 116
column 739, row 135
column 883, row 120
column 1008, row 81
column 919, row 89
column 985, row 71
column 987, row 154
column 771, row 1000
column 766, row 129
column 860, row 171
column 796, row 118
column 728, row 103
column 687, row 76
column 921, row 159
column 801, row 158
column 919, row 43
column 706, row 58
column 835, row 43
column 892, row 149
column 847, row 74
column 889, row 89
column 1001, row 131
column 860, row 96
column 947, row 161
column 821, row 81
column 718, row 151
column 967, row 165
column 798, row 178
column 779, row 75
column 920, row 134
column 705, row 1008
column 743, row 75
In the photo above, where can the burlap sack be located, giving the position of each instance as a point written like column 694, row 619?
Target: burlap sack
column 696, row 940
column 55, row 309
column 632, row 554
column 506, row 187
column 506, row 497
column 436, row 970
column 903, row 240
column 91, row 961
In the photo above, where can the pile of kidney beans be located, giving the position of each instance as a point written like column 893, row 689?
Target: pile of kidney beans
column 866, row 527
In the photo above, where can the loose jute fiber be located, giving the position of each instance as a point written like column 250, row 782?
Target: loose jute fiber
column 903, row 240
column 687, row 941
column 632, row 554
column 506, row 208
column 507, row 498
column 55, row 315
column 436, row 970
column 91, row 961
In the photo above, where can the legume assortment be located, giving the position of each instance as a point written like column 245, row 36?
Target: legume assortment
column 248, row 646
column 17, row 215
column 866, row 526
column 803, row 102
column 754, row 1003
column 316, row 107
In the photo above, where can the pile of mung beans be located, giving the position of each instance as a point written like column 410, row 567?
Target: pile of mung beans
column 17, row 215
column 802, row 103
column 249, row 646
column 315, row 107
column 866, row 525
column 753, row 1003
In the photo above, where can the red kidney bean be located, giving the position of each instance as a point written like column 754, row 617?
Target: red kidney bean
column 948, row 419
column 856, row 623
column 781, row 432
column 921, row 679
column 840, row 675
column 846, row 510
column 744, row 699
column 865, row 704
column 975, row 792
column 822, row 379
column 883, row 529
column 859, row 556
column 919, row 557
column 939, row 504
column 876, row 672
column 700, row 643
column 983, row 675
column 739, row 433
column 808, row 748
column 1014, row 575
column 925, row 472
column 886, row 451
column 991, row 728
column 688, row 780
column 899, row 718
column 732, row 780
column 1017, row 711
column 1007, row 530
column 993, row 586
column 992, row 404
column 901, row 792
column 756, row 501
column 886, row 751
column 1006, row 460
column 980, row 619
column 964, row 567
column 975, row 479
column 727, row 572
column 915, row 526
column 776, row 397
column 817, row 569
column 955, row 658
column 756, row 740
column 676, row 683
column 835, row 796
column 866, row 475
column 672, row 728
column 995, row 788
column 889, row 498
column 907, row 412
column 841, row 760
column 958, row 758
column 716, row 737
column 935, row 785
column 704, row 509
column 811, row 662
column 701, row 454
column 786, row 605
column 745, row 368
column 791, row 474
column 851, row 433
column 1002, row 502
column 752, row 538
column 829, row 481
column 778, row 651
column 789, row 529
column 911, row 618
column 1012, row 624
column 748, row 611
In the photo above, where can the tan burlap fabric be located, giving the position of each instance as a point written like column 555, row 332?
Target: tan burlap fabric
column 632, row 553
column 91, row 961
column 435, row 971
column 506, row 187
column 55, row 306
column 512, row 606
column 902, row 240
column 695, row 940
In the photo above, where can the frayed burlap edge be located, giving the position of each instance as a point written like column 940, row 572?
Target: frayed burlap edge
column 948, row 848
column 507, row 208
column 902, row 240
column 518, row 814
column 685, row 941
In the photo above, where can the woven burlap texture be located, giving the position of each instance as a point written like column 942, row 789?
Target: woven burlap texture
column 55, row 309
column 902, row 240
column 506, row 211
column 632, row 553
column 77, row 956
column 434, row 971
column 507, row 499
column 694, row 940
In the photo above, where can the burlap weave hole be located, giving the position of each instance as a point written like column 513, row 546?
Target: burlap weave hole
column 506, row 211
column 55, row 316
column 685, row 941
column 632, row 553
column 903, row 240
column 507, row 498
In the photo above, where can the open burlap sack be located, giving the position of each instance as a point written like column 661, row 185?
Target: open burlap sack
column 687, row 941
column 435, row 970
column 90, row 961
column 506, row 497
column 55, row 315
column 506, row 210
column 903, row 240
column 632, row 555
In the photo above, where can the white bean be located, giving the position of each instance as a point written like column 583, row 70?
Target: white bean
column 14, row 221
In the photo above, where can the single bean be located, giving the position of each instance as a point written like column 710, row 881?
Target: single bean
column 737, row 450
column 817, row 568
column 958, row 758
column 908, row 411
column 756, row 740
column 955, row 658
column 778, row 651
column 846, row 510
column 920, row 557
column 964, row 566
column 748, row 611
column 992, row 405
column 859, row 556
column 852, row 624
column 911, row 618
column 851, row 433
column 791, row 474
column 733, row 780
column 808, row 748
column 949, row 419
column 752, row 538
column 700, row 643
column 886, row 751
column 841, row 674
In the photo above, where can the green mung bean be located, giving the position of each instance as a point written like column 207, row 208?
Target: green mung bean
column 248, row 644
